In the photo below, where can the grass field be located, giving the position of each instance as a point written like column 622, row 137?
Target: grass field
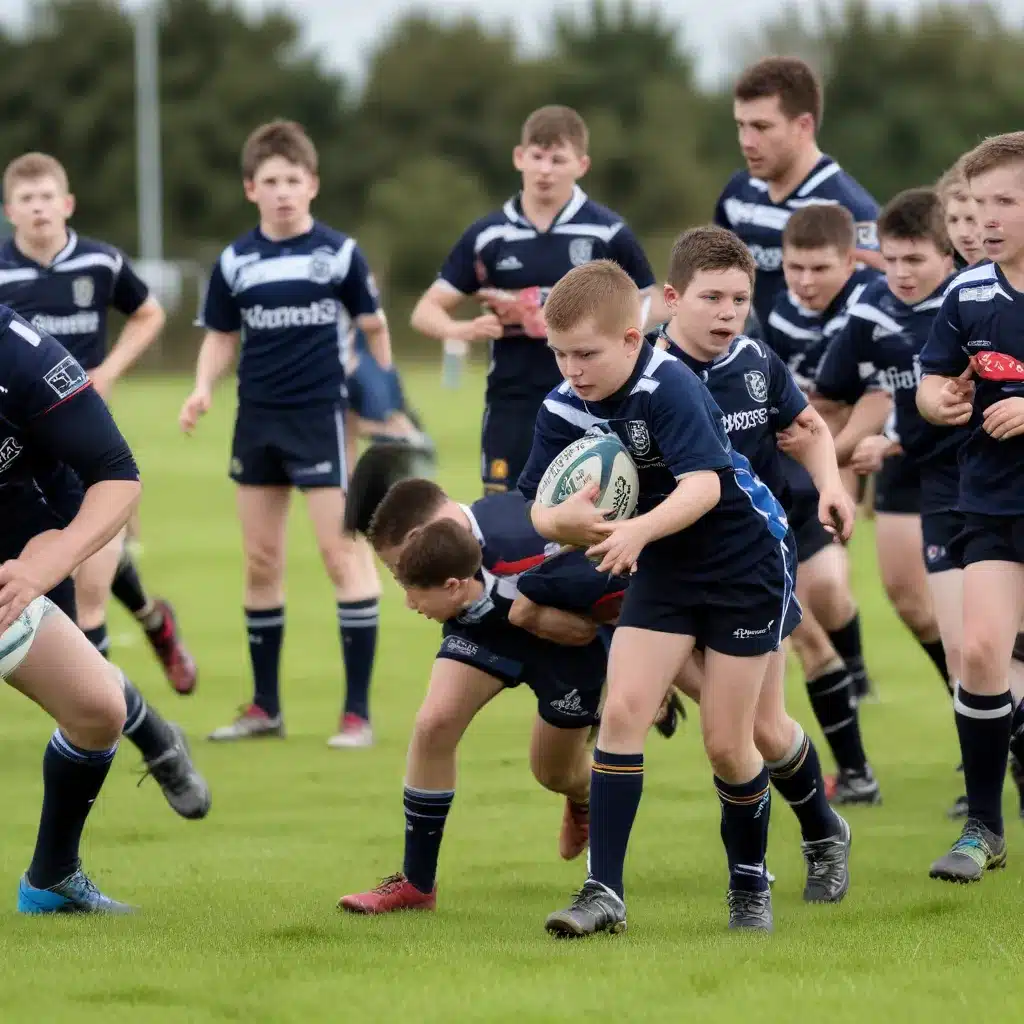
column 238, row 916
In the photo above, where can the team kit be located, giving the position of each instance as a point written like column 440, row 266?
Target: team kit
column 670, row 473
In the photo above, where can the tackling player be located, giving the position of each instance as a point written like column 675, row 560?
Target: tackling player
column 283, row 297
column 973, row 370
column 65, row 285
column 509, row 260
column 778, row 107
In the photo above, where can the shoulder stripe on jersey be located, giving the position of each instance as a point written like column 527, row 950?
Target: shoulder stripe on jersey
column 823, row 175
column 606, row 232
column 26, row 332
column 836, row 324
column 932, row 303
column 21, row 274
column 91, row 259
column 69, row 248
column 473, row 524
column 229, row 266
column 865, row 312
column 658, row 356
column 646, row 384
column 776, row 320
column 344, row 259
column 577, row 417
column 855, row 295
column 986, row 272
column 508, row 232
column 800, row 204
column 276, row 269
column 575, row 204
column 739, row 212
column 510, row 211
column 737, row 347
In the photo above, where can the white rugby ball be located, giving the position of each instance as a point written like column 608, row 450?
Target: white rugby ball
column 597, row 458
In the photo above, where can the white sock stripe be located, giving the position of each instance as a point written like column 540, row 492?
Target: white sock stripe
column 801, row 802
column 839, row 725
column 73, row 753
column 252, row 623
column 981, row 714
column 140, row 717
column 413, row 791
column 790, row 756
column 358, row 624
column 832, row 689
column 359, row 613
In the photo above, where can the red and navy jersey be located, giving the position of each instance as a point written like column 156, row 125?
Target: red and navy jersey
column 746, row 208
column 758, row 397
column 504, row 250
column 293, row 302
column 880, row 349
column 981, row 320
column 501, row 523
column 799, row 335
column 671, row 426
column 51, row 422
column 69, row 299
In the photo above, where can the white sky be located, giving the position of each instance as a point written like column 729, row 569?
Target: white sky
column 346, row 30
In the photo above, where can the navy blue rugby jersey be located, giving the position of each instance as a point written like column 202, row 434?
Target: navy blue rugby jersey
column 510, row 544
column 799, row 335
column 758, row 397
column 746, row 208
column 51, row 420
column 982, row 314
column 504, row 250
column 293, row 302
column 671, row 426
column 69, row 299
column 880, row 348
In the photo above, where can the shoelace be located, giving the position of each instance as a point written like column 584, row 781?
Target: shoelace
column 389, row 885
column 820, row 861
column 970, row 837
column 740, row 899
column 166, row 769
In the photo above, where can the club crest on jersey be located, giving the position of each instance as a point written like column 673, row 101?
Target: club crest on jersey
column 581, row 250
column 9, row 451
column 639, row 438
column 757, row 386
column 320, row 267
column 82, row 291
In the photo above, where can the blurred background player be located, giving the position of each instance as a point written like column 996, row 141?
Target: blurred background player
column 286, row 294
column 65, row 285
column 510, row 259
column 961, row 215
column 778, row 107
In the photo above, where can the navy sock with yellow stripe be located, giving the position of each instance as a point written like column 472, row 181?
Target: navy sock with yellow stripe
column 616, row 785
column 745, row 810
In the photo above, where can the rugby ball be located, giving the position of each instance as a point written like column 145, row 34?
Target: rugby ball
column 597, row 458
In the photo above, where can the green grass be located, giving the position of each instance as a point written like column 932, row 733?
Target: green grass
column 238, row 916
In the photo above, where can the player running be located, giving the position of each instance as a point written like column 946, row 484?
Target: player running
column 446, row 556
column 65, row 285
column 52, row 417
column 509, row 260
column 973, row 370
column 286, row 294
column 778, row 107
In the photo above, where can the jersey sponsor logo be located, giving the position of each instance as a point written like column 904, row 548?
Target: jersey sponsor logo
column 320, row 469
column 746, row 634
column 62, row 326
column 83, row 291
column 892, row 379
column 570, row 704
column 767, row 257
column 276, row 318
column 739, row 212
column 9, row 451
column 639, row 438
column 66, row 377
column 984, row 293
column 867, row 235
column 581, row 250
column 508, row 263
column 744, row 419
column 979, row 343
column 757, row 386
column 456, row 645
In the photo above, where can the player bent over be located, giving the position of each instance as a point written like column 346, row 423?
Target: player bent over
column 712, row 567
column 973, row 370
column 440, row 567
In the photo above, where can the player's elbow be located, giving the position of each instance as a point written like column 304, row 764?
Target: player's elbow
column 524, row 614
column 710, row 493
column 423, row 314
column 150, row 313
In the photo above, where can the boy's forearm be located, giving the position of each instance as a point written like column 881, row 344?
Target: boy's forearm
column 695, row 495
column 138, row 333
column 216, row 354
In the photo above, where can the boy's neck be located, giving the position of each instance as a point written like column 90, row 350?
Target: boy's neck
column 282, row 234
column 1014, row 273
column 43, row 251
column 542, row 214
column 675, row 334
column 474, row 592
column 780, row 188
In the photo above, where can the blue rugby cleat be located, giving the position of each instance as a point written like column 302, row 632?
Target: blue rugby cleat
column 75, row 895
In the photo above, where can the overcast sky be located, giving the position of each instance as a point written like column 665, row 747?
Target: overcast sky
column 346, row 30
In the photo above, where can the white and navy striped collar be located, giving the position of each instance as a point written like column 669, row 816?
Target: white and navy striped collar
column 21, row 257
column 513, row 209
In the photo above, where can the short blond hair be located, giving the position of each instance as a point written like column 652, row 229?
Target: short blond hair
column 31, row 167
column 995, row 152
column 953, row 184
column 599, row 291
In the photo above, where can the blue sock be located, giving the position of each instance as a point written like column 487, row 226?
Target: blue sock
column 265, row 627
column 616, row 785
column 983, row 725
column 143, row 725
column 97, row 636
column 425, row 813
column 72, row 779
column 745, row 810
column 358, row 623
column 798, row 779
